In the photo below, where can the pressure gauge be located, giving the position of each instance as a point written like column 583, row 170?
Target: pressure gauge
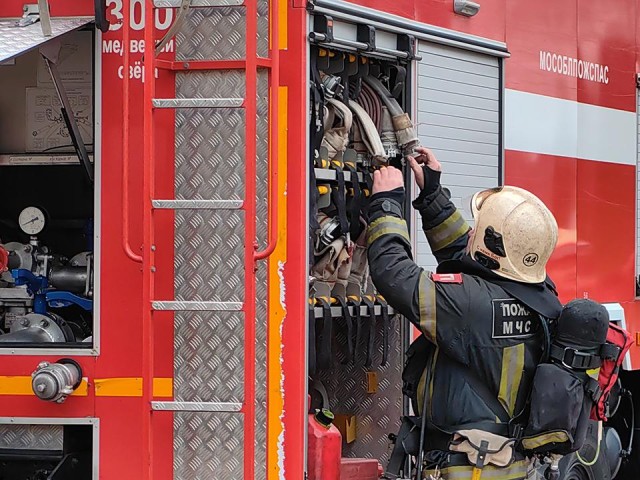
column 32, row 220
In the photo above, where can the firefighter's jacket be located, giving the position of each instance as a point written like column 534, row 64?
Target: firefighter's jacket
column 484, row 342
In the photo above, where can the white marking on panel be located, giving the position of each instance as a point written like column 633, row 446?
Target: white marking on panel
column 553, row 126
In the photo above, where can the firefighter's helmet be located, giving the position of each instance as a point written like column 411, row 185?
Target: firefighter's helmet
column 514, row 234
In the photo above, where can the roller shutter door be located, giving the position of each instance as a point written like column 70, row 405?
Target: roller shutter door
column 459, row 118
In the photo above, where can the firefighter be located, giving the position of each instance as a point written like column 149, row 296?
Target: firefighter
column 468, row 373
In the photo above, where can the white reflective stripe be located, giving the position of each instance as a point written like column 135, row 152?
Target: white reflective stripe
column 553, row 126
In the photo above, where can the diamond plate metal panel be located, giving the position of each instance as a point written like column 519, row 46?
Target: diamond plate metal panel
column 197, row 306
column 207, row 446
column 212, row 34
column 219, row 33
column 197, row 406
column 208, row 358
column 210, row 84
column 31, row 437
column 210, row 159
column 209, row 256
column 377, row 414
column 198, row 204
column 262, row 148
column 262, row 45
column 197, row 102
column 15, row 41
column 209, row 142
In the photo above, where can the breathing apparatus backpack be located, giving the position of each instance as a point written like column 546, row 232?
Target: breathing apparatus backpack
column 613, row 352
column 564, row 389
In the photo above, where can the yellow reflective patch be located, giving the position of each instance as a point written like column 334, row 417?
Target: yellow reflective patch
column 387, row 231
column 386, row 226
column 427, row 299
column 21, row 385
column 515, row 471
column 511, row 376
column 389, row 219
column 538, row 441
column 163, row 387
column 118, row 387
column 594, row 373
column 104, row 387
column 447, row 232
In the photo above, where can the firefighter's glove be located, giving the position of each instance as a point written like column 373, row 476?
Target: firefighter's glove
column 426, row 169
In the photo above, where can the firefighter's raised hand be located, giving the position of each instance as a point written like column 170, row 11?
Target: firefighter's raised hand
column 386, row 179
column 426, row 158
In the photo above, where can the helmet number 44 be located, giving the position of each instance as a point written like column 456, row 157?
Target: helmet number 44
column 530, row 259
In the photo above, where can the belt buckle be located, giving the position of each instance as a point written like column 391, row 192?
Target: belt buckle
column 576, row 354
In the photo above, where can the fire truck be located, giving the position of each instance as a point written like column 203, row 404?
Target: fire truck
column 159, row 174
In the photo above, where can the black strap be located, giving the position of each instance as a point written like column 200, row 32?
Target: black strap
column 385, row 329
column 338, row 196
column 317, row 132
column 356, row 203
column 344, row 75
column 312, row 339
column 357, row 317
column 368, row 330
column 323, row 336
column 609, row 351
column 349, row 321
column 592, row 388
column 575, row 359
column 398, row 83
column 368, row 178
column 406, row 443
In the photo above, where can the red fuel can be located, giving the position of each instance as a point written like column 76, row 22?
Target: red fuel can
column 360, row 469
column 325, row 447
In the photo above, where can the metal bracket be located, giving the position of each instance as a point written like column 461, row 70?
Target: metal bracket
column 322, row 28
column 30, row 15
column 367, row 34
column 45, row 18
column 102, row 22
column 67, row 111
column 407, row 43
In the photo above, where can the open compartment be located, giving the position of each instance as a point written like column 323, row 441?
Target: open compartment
column 51, row 449
column 48, row 187
column 360, row 107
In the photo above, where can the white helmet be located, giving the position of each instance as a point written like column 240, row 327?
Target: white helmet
column 514, row 234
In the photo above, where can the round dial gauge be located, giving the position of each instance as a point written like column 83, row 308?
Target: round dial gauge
column 31, row 220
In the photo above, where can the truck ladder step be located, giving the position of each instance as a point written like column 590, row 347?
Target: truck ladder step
column 184, row 306
column 198, row 204
column 198, row 3
column 198, row 102
column 230, row 407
